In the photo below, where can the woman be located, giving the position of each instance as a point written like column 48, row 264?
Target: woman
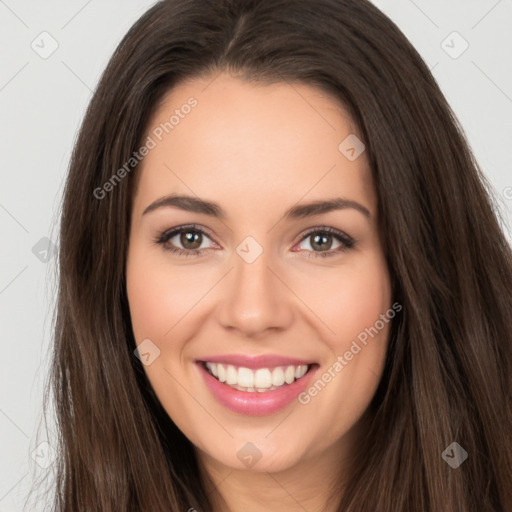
column 282, row 280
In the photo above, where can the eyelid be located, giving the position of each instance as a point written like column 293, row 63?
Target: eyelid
column 165, row 236
column 336, row 233
column 169, row 233
column 347, row 241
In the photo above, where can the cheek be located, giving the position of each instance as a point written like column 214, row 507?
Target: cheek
column 360, row 315
column 350, row 303
column 159, row 295
column 350, row 299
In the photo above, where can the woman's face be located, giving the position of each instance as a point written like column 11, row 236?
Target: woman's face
column 278, row 269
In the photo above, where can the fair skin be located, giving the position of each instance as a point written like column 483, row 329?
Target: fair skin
column 257, row 150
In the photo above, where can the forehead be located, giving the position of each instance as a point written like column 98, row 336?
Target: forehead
column 225, row 137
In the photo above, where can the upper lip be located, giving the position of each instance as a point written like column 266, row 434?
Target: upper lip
column 254, row 362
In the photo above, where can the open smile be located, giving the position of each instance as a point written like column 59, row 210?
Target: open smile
column 256, row 390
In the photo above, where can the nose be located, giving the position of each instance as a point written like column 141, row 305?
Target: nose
column 254, row 300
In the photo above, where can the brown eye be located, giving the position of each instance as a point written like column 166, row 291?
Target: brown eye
column 325, row 242
column 191, row 239
column 186, row 241
column 321, row 242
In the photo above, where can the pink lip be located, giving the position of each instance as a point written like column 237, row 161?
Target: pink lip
column 255, row 362
column 257, row 403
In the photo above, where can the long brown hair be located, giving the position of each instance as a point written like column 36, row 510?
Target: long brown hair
column 449, row 364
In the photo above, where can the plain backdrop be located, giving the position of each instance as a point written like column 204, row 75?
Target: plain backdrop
column 51, row 56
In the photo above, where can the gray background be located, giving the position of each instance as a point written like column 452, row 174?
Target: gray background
column 42, row 101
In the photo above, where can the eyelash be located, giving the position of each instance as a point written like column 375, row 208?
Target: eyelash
column 346, row 241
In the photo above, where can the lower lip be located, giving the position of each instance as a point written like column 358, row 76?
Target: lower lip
column 256, row 403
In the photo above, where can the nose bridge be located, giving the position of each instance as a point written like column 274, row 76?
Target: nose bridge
column 254, row 300
column 253, row 276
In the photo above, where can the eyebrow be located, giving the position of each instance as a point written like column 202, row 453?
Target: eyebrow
column 300, row 211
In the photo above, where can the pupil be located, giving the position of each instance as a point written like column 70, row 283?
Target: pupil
column 321, row 242
column 191, row 240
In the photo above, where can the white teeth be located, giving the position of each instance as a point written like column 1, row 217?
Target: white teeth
column 260, row 380
column 213, row 368
column 289, row 374
column 245, row 377
column 221, row 373
column 263, row 378
column 231, row 375
column 277, row 377
column 301, row 370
